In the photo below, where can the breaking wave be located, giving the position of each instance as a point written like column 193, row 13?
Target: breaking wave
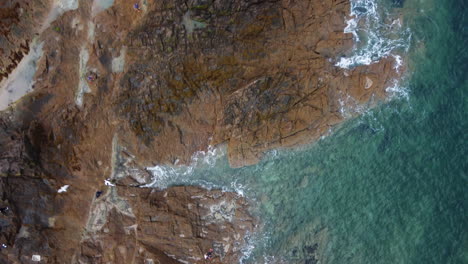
column 377, row 34
column 165, row 175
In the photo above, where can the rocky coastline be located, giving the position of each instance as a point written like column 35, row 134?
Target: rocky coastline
column 120, row 88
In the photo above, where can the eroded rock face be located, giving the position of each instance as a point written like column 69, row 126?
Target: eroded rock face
column 179, row 76
column 122, row 224
column 27, row 202
column 170, row 80
column 19, row 21
column 254, row 76
column 134, row 225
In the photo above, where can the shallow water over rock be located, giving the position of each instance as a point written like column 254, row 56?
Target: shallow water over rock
column 387, row 187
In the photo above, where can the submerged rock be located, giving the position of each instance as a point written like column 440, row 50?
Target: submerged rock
column 360, row 10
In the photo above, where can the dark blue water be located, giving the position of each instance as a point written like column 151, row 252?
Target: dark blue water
column 390, row 186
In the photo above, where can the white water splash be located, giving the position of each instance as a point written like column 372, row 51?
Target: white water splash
column 374, row 38
column 254, row 241
column 164, row 175
column 249, row 247
column 351, row 26
column 272, row 154
column 349, row 107
column 239, row 188
column 208, row 157
column 398, row 90
column 398, row 62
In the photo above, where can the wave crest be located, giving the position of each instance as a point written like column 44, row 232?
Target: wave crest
column 376, row 32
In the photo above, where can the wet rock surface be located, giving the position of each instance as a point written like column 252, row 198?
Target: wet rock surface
column 167, row 80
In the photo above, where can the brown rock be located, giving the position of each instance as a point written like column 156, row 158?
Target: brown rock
column 20, row 20
column 252, row 76
column 133, row 225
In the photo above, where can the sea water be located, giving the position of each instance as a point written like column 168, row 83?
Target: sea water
column 390, row 186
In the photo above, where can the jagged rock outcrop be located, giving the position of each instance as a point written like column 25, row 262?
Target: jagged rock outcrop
column 254, row 76
column 122, row 224
column 135, row 225
column 27, row 199
column 20, row 20
column 181, row 76
column 171, row 79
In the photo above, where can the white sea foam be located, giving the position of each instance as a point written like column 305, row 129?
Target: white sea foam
column 398, row 62
column 398, row 90
column 239, row 188
column 349, row 106
column 272, row 154
column 208, row 157
column 372, row 120
column 351, row 28
column 374, row 38
column 248, row 248
column 343, row 111
column 164, row 175
column 160, row 176
column 256, row 240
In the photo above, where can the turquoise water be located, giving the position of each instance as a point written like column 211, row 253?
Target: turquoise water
column 387, row 187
